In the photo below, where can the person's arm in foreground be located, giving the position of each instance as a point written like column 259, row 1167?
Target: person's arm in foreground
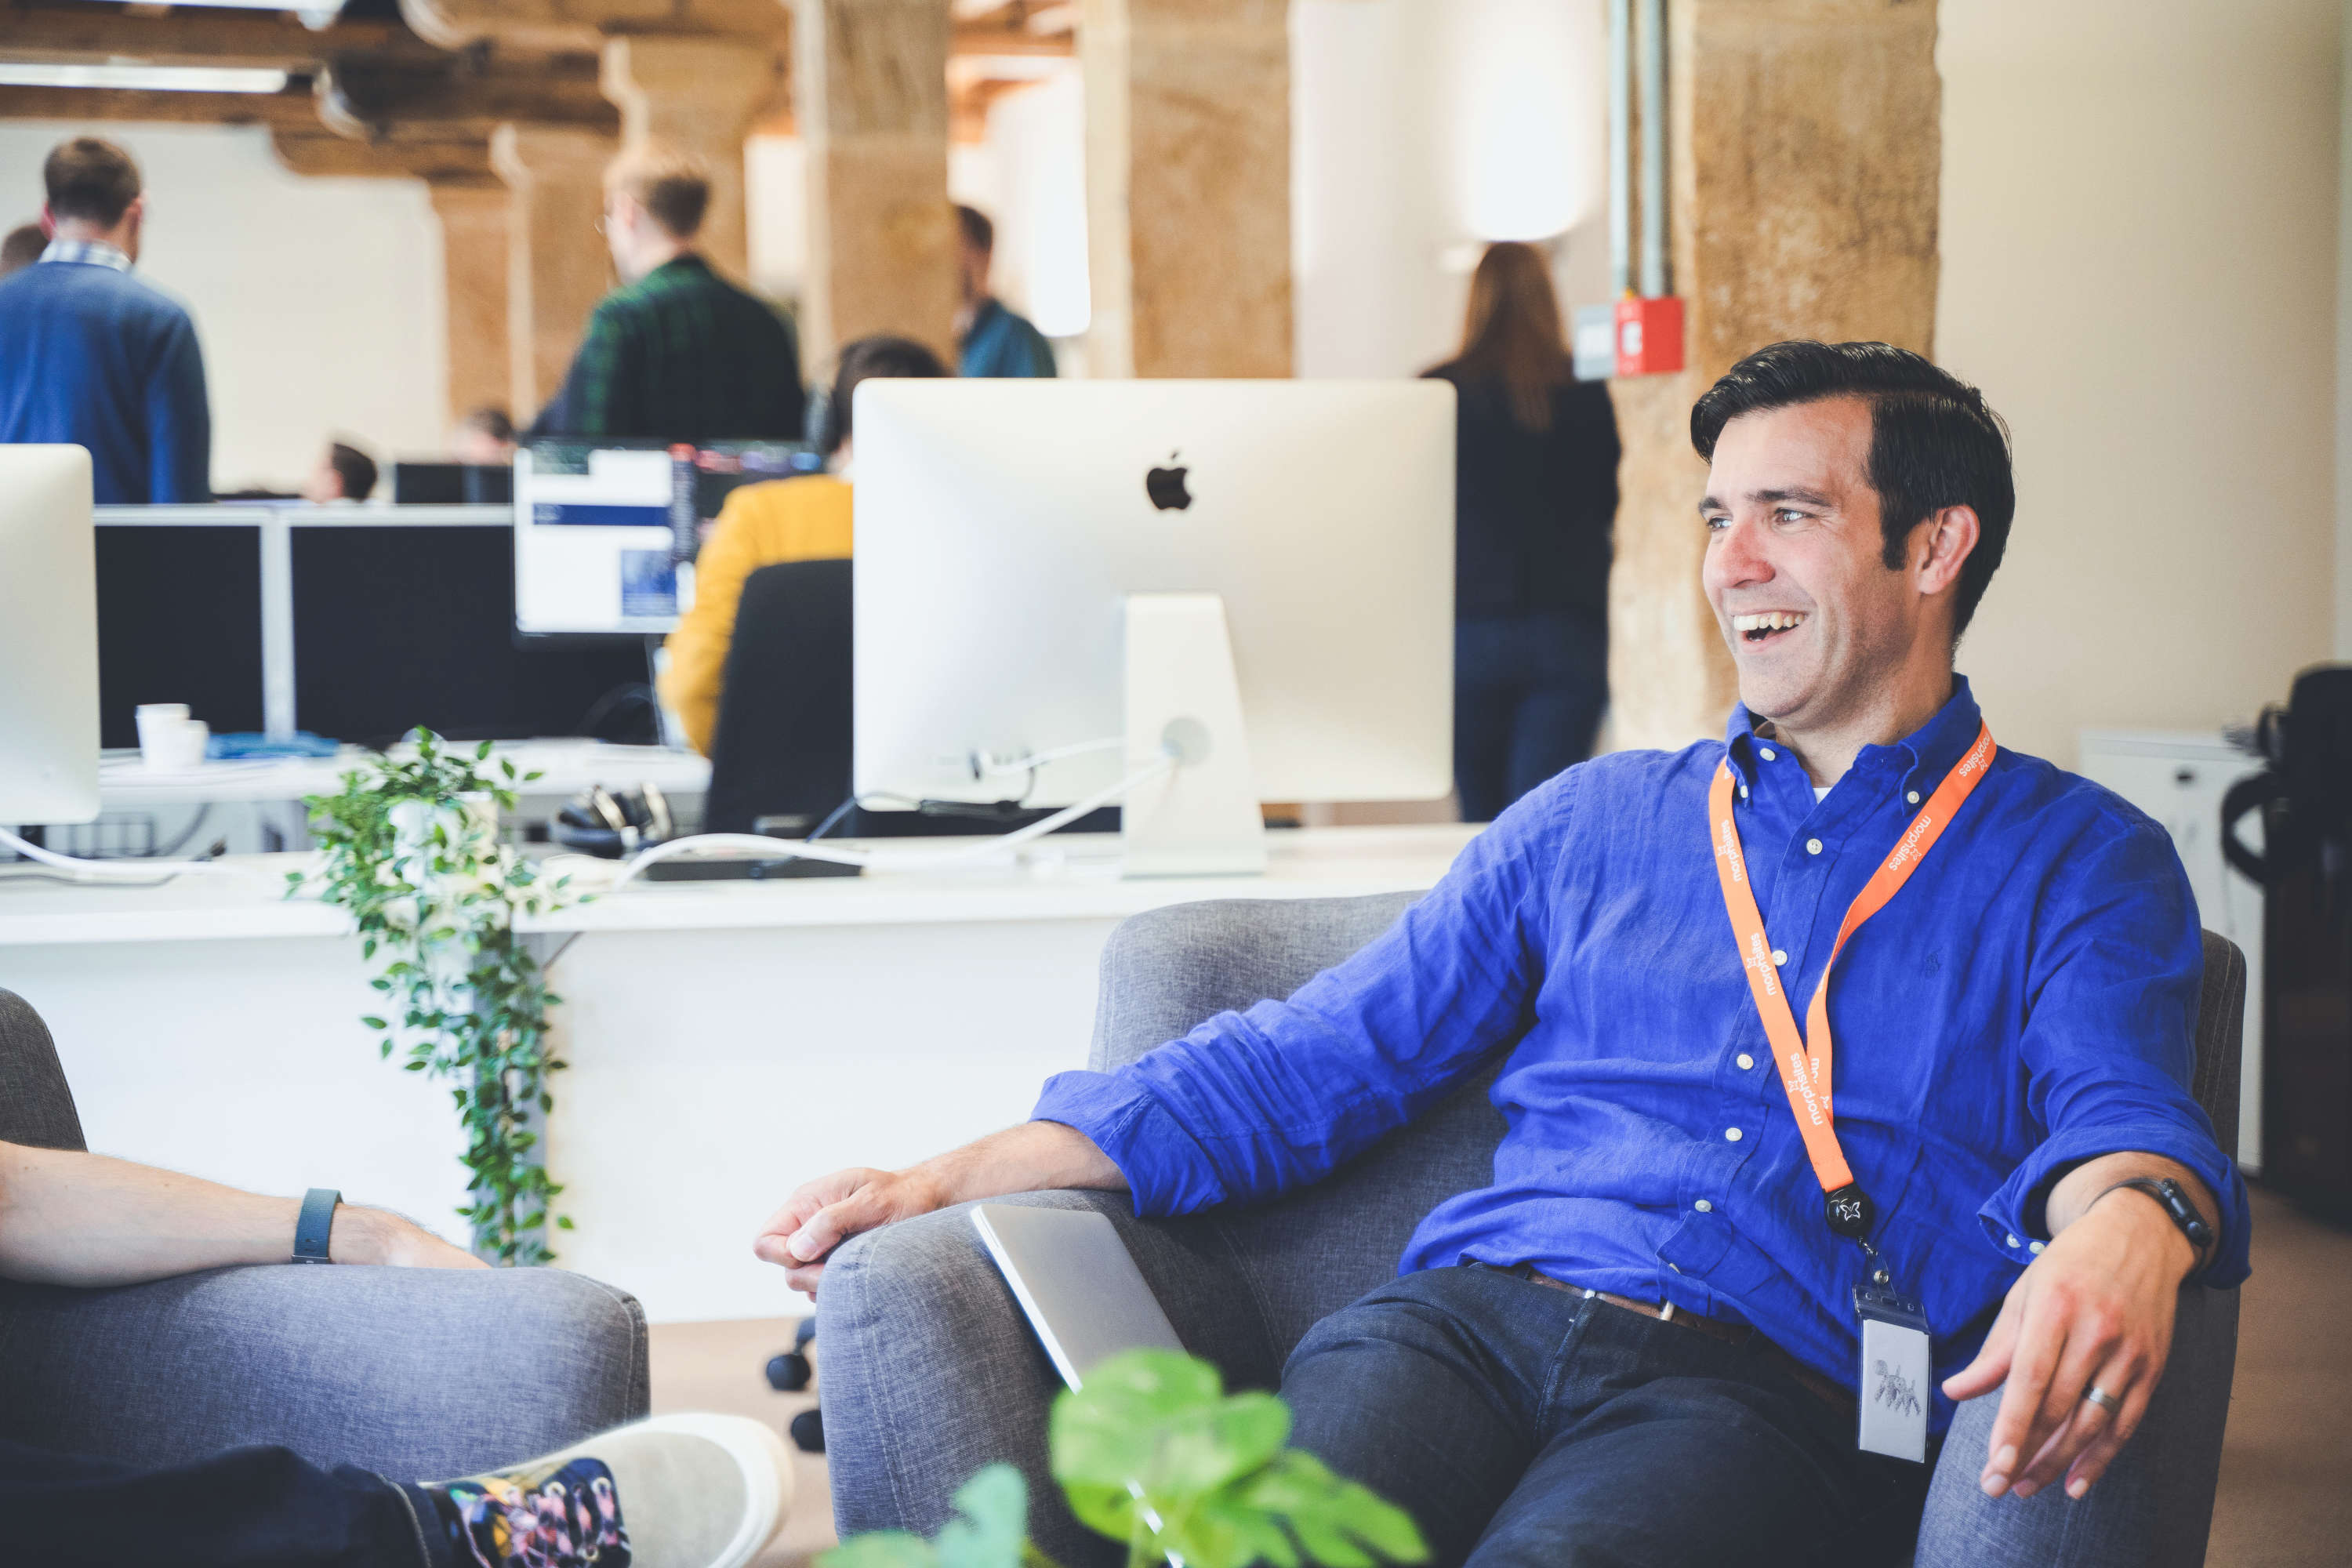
column 2108, row 1049
column 71, row 1218
column 1255, row 1103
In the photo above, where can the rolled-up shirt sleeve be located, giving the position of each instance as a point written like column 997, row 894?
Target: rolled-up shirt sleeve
column 1255, row 1103
column 2109, row 1040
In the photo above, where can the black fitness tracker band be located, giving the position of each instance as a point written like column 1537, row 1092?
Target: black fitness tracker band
column 316, row 1226
column 2177, row 1207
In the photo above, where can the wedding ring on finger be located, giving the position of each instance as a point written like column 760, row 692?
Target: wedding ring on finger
column 2104, row 1400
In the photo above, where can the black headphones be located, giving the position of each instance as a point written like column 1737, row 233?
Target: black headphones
column 598, row 822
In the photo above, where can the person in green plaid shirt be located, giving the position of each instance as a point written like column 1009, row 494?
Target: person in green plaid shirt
column 676, row 353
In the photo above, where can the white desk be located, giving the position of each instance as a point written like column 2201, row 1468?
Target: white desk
column 726, row 1041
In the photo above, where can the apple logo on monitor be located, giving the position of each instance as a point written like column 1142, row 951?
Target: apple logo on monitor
column 1166, row 486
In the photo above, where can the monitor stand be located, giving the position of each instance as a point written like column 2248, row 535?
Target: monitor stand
column 1201, row 819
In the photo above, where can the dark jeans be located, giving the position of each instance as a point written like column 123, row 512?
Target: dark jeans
column 252, row 1508
column 1529, row 692
column 1520, row 1424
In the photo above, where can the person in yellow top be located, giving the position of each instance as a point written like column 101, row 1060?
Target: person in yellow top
column 803, row 519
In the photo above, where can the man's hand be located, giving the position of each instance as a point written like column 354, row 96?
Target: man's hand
column 821, row 1215
column 825, row 1213
column 375, row 1235
column 2095, row 1310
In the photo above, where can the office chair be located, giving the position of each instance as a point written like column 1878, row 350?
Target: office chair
column 782, row 745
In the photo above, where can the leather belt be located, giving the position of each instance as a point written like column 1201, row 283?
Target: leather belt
column 1842, row 1400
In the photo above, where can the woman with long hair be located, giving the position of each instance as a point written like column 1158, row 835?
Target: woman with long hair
column 1534, row 500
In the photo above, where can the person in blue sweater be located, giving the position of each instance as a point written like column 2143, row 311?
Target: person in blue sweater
column 93, row 357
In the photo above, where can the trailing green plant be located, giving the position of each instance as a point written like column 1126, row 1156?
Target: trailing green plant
column 411, row 846
column 1153, row 1453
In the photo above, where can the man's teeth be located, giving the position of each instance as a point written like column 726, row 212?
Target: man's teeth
column 1769, row 621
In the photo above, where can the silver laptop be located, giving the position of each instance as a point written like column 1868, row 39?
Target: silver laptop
column 1074, row 1278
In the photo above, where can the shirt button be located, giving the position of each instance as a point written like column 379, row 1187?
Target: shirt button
column 1743, row 791
column 1704, row 1206
column 2014, row 1242
column 1731, row 1134
column 1813, row 845
column 2033, row 1246
column 1745, row 1061
column 1913, row 796
column 1766, row 753
column 1779, row 956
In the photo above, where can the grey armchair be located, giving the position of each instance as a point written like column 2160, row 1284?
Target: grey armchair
column 930, row 1372
column 411, row 1373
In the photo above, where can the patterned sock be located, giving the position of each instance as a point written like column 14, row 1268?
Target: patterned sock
column 565, row 1517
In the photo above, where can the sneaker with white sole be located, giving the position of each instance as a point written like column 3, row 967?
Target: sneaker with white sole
column 676, row 1491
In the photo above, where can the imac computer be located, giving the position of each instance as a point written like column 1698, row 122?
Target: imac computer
column 605, row 531
column 49, row 637
column 1248, row 584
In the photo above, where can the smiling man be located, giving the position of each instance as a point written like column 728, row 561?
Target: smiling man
column 1841, row 1055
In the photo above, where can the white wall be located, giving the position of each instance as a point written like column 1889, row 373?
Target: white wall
column 2139, row 268
column 318, row 301
column 1420, row 130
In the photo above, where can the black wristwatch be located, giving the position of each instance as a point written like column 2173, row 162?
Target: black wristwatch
column 2179, row 1210
column 314, row 1228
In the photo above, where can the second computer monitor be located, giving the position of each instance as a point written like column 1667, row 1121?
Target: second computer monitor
column 601, row 527
column 1001, row 525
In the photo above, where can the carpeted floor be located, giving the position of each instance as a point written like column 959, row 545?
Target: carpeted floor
column 2286, row 1497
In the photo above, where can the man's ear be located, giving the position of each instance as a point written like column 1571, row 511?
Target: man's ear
column 1941, row 546
column 48, row 221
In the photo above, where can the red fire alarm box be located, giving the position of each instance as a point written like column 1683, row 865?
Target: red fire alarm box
column 1649, row 336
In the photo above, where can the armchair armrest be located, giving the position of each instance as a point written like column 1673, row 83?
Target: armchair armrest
column 418, row 1374
column 928, row 1370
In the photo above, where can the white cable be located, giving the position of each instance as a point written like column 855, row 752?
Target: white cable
column 789, row 848
column 126, row 870
column 985, row 765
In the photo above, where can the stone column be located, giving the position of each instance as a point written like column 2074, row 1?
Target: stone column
column 870, row 92
column 1188, row 186
column 699, row 94
column 557, row 266
column 474, row 259
column 1804, row 150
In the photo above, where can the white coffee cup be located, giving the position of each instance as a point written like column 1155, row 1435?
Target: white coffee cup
column 153, row 718
column 179, row 747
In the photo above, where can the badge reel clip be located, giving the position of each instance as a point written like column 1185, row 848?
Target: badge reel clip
column 1894, row 1345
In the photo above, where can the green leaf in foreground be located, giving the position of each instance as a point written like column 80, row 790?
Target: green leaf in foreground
column 1153, row 1452
column 990, row 1524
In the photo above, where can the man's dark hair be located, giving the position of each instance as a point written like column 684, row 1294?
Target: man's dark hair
column 1933, row 441
column 491, row 421
column 356, row 468
column 864, row 359
column 977, row 232
column 672, row 185
column 91, row 179
column 22, row 248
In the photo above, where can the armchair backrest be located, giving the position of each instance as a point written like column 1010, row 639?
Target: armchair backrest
column 37, row 1109
column 1310, row 1253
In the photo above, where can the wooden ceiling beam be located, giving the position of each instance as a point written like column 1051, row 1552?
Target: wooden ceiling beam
column 292, row 108
column 80, row 33
column 370, row 101
column 461, row 162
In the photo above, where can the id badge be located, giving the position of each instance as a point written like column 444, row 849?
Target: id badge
column 1895, row 1368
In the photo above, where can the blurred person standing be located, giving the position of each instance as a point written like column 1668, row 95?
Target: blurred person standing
column 676, row 353
column 990, row 339
column 801, row 518
column 22, row 248
column 93, row 357
column 1534, row 502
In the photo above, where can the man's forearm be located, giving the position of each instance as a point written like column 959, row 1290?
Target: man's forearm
column 2075, row 1192
column 1035, row 1156
column 71, row 1218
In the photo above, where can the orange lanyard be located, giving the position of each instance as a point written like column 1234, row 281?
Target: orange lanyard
column 1805, row 1060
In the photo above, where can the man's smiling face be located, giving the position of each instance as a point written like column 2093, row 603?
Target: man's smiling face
column 1795, row 570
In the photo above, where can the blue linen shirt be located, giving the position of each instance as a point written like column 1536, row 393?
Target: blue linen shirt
column 2026, row 1002
column 91, row 356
